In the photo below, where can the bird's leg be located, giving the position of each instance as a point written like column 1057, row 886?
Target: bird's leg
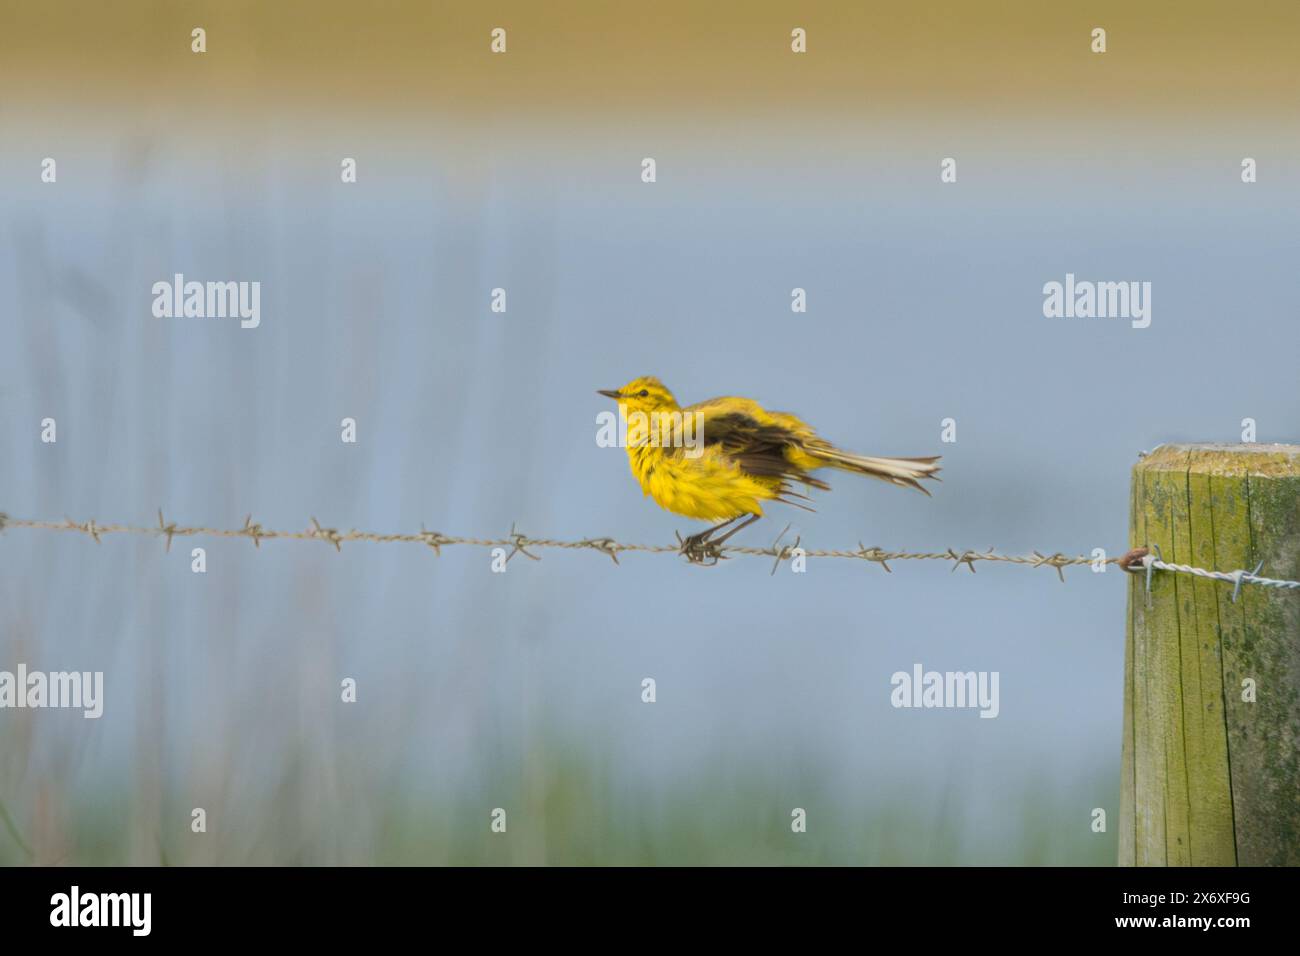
column 742, row 525
column 703, row 549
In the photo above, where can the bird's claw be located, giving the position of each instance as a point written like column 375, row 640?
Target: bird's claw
column 698, row 549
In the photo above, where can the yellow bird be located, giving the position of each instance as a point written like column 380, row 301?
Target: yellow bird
column 719, row 460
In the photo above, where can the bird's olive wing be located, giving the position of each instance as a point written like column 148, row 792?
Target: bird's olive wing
column 759, row 448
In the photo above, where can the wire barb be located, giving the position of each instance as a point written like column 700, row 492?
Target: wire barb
column 253, row 531
column 166, row 529
column 521, row 543
column 1149, row 562
column 784, row 553
column 966, row 557
column 327, row 534
column 1057, row 560
column 604, row 545
column 434, row 540
column 874, row 554
column 87, row 527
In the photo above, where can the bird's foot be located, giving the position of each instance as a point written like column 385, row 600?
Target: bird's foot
column 701, row 549
column 704, row 548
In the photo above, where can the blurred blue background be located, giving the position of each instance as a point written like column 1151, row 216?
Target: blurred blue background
column 522, row 690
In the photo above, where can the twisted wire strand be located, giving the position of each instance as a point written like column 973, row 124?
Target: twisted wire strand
column 1138, row 560
column 1155, row 562
column 1232, row 577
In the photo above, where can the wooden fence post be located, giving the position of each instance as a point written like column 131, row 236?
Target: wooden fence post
column 1211, row 760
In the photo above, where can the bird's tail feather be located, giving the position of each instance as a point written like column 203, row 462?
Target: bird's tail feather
column 906, row 472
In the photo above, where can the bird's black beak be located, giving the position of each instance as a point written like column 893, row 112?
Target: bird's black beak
column 609, row 392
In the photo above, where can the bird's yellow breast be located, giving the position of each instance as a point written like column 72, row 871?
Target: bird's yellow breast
column 710, row 487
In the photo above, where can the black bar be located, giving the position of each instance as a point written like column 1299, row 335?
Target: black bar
column 331, row 906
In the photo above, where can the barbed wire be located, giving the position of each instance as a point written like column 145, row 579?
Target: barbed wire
column 1150, row 562
column 1138, row 560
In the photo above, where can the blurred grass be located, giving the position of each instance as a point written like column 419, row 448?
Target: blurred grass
column 573, row 813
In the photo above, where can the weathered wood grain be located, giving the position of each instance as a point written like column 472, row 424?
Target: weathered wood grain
column 1210, row 778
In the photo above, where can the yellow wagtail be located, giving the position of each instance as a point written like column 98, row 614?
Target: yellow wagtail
column 718, row 460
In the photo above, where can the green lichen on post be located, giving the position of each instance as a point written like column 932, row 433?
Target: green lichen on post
column 1211, row 806
column 1210, row 777
column 1127, row 782
column 1268, row 730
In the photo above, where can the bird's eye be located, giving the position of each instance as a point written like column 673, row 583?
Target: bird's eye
column 645, row 393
